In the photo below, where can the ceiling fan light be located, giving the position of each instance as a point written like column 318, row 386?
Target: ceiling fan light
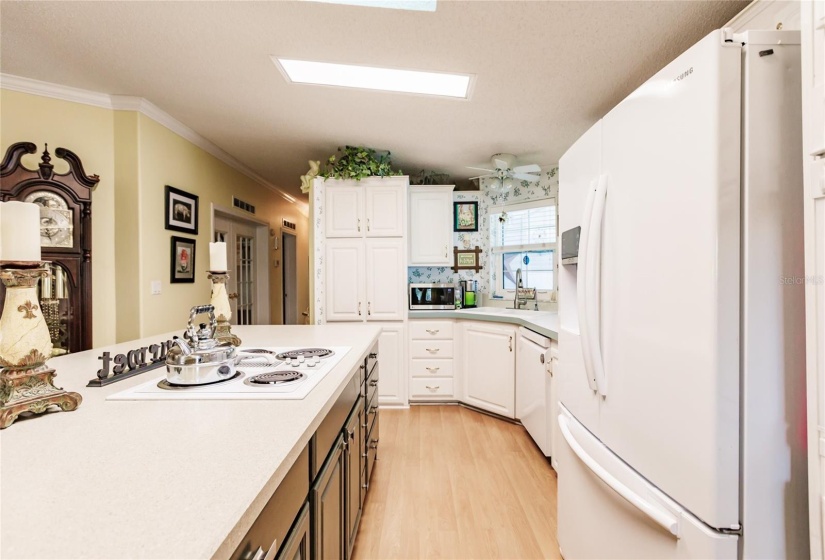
column 507, row 184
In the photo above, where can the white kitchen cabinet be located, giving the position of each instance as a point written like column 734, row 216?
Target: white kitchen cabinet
column 344, row 211
column 385, row 280
column 432, row 357
column 345, row 297
column 372, row 207
column 392, row 390
column 431, row 225
column 367, row 280
column 489, row 366
column 384, row 210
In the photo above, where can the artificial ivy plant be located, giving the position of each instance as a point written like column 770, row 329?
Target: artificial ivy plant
column 357, row 162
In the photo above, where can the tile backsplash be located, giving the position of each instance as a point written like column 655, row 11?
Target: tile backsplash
column 547, row 187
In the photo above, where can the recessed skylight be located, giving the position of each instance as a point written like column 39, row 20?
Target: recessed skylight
column 417, row 5
column 369, row 77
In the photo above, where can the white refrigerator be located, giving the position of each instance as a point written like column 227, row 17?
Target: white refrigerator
column 681, row 344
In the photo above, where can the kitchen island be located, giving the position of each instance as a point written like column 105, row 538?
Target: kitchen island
column 158, row 479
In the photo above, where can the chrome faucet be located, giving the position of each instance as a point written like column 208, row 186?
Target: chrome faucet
column 518, row 303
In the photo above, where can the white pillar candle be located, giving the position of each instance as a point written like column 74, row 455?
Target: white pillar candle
column 217, row 256
column 20, row 235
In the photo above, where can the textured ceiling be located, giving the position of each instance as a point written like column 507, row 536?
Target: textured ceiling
column 545, row 71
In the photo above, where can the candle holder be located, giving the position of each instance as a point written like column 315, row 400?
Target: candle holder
column 26, row 382
column 223, row 311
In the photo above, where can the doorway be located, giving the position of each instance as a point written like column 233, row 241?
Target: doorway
column 247, row 262
column 289, row 242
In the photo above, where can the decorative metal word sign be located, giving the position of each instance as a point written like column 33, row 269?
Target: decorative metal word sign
column 131, row 363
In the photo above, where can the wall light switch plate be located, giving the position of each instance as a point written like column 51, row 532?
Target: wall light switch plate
column 155, row 287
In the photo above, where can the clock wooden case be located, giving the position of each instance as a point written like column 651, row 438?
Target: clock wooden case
column 65, row 235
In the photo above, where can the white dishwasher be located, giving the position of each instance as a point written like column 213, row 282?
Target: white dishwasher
column 535, row 390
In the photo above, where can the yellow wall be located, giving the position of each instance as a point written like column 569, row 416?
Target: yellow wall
column 87, row 131
column 161, row 155
column 135, row 158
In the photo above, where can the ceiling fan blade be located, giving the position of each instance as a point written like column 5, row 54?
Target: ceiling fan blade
column 481, row 169
column 526, row 177
column 531, row 168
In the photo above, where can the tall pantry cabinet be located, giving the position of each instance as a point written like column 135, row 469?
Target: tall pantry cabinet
column 360, row 244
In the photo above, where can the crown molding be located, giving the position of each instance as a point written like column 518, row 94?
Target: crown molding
column 146, row 108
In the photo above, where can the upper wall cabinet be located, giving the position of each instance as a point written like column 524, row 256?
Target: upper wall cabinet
column 431, row 226
column 345, row 211
column 372, row 207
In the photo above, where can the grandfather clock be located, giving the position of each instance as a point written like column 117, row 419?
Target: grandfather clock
column 65, row 202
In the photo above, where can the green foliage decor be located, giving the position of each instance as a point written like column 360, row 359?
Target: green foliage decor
column 357, row 162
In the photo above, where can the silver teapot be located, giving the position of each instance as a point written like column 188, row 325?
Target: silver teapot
column 198, row 358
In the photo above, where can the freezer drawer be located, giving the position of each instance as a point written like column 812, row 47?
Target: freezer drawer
column 606, row 510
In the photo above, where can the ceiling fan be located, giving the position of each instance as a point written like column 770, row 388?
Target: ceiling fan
column 505, row 170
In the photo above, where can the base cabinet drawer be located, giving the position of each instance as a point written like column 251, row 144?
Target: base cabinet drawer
column 431, row 388
column 298, row 545
column 431, row 349
column 431, row 368
column 426, row 330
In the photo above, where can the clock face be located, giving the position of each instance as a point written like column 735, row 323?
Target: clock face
column 56, row 224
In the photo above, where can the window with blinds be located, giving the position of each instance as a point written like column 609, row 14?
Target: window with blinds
column 524, row 236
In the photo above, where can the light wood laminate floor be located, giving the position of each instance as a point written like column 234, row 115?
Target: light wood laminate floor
column 454, row 483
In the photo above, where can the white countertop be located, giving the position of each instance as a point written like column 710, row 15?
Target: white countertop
column 157, row 479
column 543, row 322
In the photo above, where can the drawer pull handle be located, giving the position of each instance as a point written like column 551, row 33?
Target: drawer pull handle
column 369, row 308
column 368, row 224
column 374, row 444
column 374, row 383
column 359, row 308
column 373, row 408
column 433, row 331
column 433, row 368
column 359, row 224
column 433, row 388
column 433, row 350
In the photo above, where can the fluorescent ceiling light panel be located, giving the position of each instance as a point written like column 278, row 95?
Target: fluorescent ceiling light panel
column 369, row 77
column 416, row 5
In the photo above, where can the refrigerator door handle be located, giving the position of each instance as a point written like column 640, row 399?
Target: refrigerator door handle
column 661, row 516
column 581, row 286
column 593, row 285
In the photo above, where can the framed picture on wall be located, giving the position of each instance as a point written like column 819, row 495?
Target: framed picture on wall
column 181, row 211
column 465, row 216
column 183, row 261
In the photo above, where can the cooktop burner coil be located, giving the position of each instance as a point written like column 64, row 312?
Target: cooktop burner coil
column 276, row 378
column 306, row 353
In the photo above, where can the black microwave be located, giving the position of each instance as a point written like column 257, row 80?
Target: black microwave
column 432, row 296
